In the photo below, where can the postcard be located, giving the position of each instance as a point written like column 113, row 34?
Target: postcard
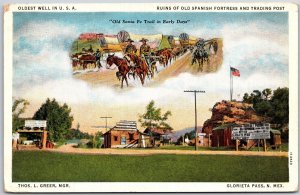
column 155, row 97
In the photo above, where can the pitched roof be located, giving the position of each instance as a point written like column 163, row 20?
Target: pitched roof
column 125, row 125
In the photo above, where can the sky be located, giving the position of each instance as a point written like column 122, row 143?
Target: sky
column 254, row 43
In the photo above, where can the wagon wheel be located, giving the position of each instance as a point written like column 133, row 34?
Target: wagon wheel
column 123, row 36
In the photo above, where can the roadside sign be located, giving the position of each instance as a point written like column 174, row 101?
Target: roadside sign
column 251, row 132
column 36, row 123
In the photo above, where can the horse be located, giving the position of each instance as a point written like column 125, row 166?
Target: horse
column 140, row 66
column 122, row 65
column 166, row 56
column 152, row 64
column 87, row 59
column 215, row 45
column 175, row 52
column 75, row 61
column 200, row 55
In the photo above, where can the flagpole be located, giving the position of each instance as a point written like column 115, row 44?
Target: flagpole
column 230, row 83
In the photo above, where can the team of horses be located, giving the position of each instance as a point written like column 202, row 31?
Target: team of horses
column 84, row 61
column 141, row 67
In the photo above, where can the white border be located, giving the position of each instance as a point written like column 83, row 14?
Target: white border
column 292, row 185
column 151, row 7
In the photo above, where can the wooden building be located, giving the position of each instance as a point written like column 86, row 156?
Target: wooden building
column 37, row 129
column 275, row 140
column 124, row 135
column 145, row 141
column 250, row 135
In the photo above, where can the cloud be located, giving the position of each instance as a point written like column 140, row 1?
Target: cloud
column 50, row 32
column 41, row 53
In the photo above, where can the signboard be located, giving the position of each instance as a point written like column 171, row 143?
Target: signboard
column 251, row 132
column 35, row 123
column 15, row 136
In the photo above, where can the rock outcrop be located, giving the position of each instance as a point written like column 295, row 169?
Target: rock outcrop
column 231, row 112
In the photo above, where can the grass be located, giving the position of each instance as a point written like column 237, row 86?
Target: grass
column 41, row 166
column 284, row 148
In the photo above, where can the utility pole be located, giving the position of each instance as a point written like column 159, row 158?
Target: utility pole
column 106, row 117
column 195, row 95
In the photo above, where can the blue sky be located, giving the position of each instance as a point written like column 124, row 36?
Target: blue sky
column 95, row 21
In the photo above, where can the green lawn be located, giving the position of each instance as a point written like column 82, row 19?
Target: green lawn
column 41, row 166
column 284, row 148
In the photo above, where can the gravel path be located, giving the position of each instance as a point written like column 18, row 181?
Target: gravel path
column 142, row 152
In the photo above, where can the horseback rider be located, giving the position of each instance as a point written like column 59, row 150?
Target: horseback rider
column 98, row 57
column 200, row 47
column 90, row 50
column 200, row 43
column 145, row 50
column 130, row 48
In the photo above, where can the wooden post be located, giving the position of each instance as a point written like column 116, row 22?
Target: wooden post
column 208, row 139
column 44, row 139
column 237, row 145
column 258, row 145
column 265, row 145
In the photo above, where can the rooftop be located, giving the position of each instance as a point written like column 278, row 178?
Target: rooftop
column 125, row 125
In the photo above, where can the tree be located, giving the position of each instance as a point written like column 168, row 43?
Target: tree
column 267, row 93
column 96, row 140
column 280, row 106
column 190, row 135
column 18, row 108
column 247, row 98
column 154, row 118
column 257, row 96
column 275, row 107
column 263, row 108
column 59, row 119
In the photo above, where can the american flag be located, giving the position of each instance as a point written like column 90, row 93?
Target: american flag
column 235, row 72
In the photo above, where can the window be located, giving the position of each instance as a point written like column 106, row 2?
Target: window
column 116, row 138
column 131, row 136
column 123, row 140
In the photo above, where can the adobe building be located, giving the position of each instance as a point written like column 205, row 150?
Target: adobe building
column 226, row 114
column 124, row 135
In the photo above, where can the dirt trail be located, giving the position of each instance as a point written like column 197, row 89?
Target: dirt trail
column 182, row 64
column 142, row 152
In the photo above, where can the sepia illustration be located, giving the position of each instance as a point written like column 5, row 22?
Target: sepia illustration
column 201, row 94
